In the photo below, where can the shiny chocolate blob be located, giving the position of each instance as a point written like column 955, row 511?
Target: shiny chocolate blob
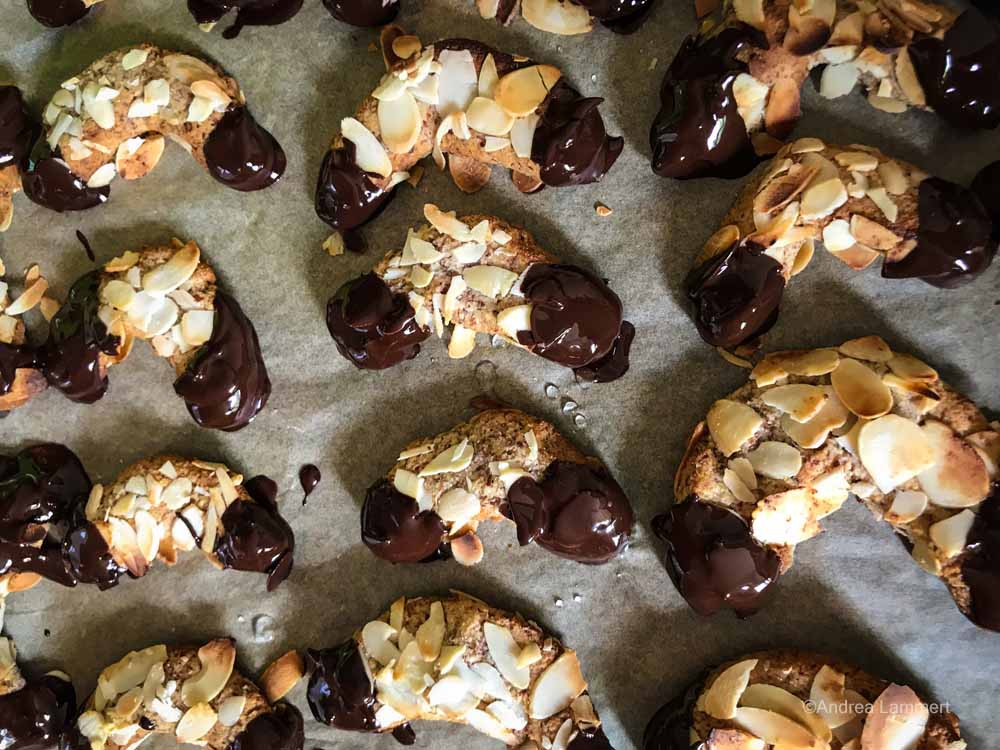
column 38, row 715
column 699, row 131
column 577, row 511
column 670, row 727
column 248, row 12
column 346, row 195
column 395, row 529
column 56, row 13
column 14, row 357
column 241, row 154
column 309, row 478
column 981, row 564
column 364, row 13
column 986, row 186
column 614, row 364
column 954, row 238
column 373, row 327
column 340, row 690
column 735, row 294
column 256, row 538
column 713, row 559
column 957, row 72
column 575, row 317
column 279, row 729
column 570, row 145
column 53, row 185
column 18, row 129
column 227, row 385
column 88, row 556
column 621, row 16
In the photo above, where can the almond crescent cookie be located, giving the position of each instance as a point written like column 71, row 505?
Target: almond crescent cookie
column 480, row 274
column 460, row 660
column 790, row 698
column 111, row 120
column 476, row 104
column 168, row 296
column 58, row 525
column 501, row 465
column 813, row 427
column 34, row 713
column 732, row 92
column 570, row 17
column 862, row 206
column 194, row 694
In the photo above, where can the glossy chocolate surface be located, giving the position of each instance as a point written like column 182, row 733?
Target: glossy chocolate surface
column 256, row 538
column 986, row 186
column 621, row 16
column 89, row 558
column 340, row 692
column 77, row 339
column 958, row 73
column 363, row 13
column 395, row 529
column 53, row 185
column 954, row 239
column 248, row 12
column 37, row 715
column 241, row 154
column 373, row 327
column 670, row 727
column 590, row 739
column 56, row 13
column 227, row 385
column 279, row 729
column 577, row 511
column 346, row 195
column 18, row 129
column 570, row 145
column 698, row 131
column 575, row 317
column 713, row 560
column 981, row 566
column 735, row 295
column 404, row 734
column 309, row 478
column 615, row 363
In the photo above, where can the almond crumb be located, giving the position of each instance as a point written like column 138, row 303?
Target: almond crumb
column 602, row 210
column 334, row 244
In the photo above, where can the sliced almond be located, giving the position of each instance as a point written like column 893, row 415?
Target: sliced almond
column 786, row 518
column 179, row 268
column 838, row 80
column 133, row 163
column 458, row 82
column 894, row 450
column 430, row 634
column 857, row 257
column 406, row 46
column 488, row 117
column 467, row 549
column 776, row 729
column 370, row 154
column 521, row 92
column 453, row 459
column 735, row 484
column 951, row 534
column 897, row 720
column 511, row 320
column 822, row 199
column 750, row 12
column 217, row 658
column 504, row 652
column 470, row 175
column 377, row 637
column 196, row 722
column 522, row 134
column 987, row 445
column 557, row 687
column 399, row 123
column 958, row 477
column 732, row 424
column 869, row 348
column 802, row 402
column 458, row 506
column 231, row 709
column 280, row 677
column 826, row 694
column 910, row 368
column 775, row 460
column 907, row 506
column 860, row 389
column 881, row 199
column 492, row 281
column 723, row 695
column 557, row 17
column 779, row 700
column 893, row 178
column 872, row 234
column 837, row 236
column 906, row 76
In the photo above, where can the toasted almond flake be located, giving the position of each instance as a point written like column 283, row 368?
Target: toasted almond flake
column 504, row 651
column 446, row 223
column 421, row 277
column 907, row 506
column 555, row 17
column 520, row 92
column 775, row 460
column 775, row 729
column 196, row 326
column 494, row 144
column 860, row 389
column 408, row 483
column 737, row 486
column 510, row 320
column 175, row 271
column 522, row 134
column 557, row 687
column 872, row 234
column 910, row 368
column 897, row 719
column 837, row 236
column 103, row 176
column 450, row 460
column 492, row 281
column 196, row 723
column 451, row 299
column 732, row 424
column 838, row 80
column 780, row 701
column 122, row 263
column 802, row 402
column 786, row 517
column 723, row 695
column 750, row 12
column 958, row 478
column 893, row 178
column 469, row 252
column 132, row 59
column 893, row 450
column 430, row 634
column 488, row 77
column 399, row 121
column 806, row 145
column 823, row 198
column 370, row 154
column 951, row 534
column 28, row 298
column 458, row 82
column 881, row 199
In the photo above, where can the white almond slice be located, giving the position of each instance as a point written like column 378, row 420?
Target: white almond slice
column 893, row 450
column 446, row 223
column 458, row 82
column 775, row 460
column 421, row 277
column 427, row 91
column 200, row 109
column 857, row 161
column 450, row 655
column 881, row 199
column 411, row 452
column 399, row 121
column 196, row 723
column 511, row 320
column 488, row 117
column 390, row 88
column 396, row 612
column 451, row 299
column 522, row 134
column 196, row 326
column 893, row 178
column 750, row 12
column 910, row 368
column 738, row 487
column 987, row 445
column 451, row 696
column 178, row 269
column 231, row 709
column 206, row 89
column 907, row 506
column 103, row 176
column 897, row 720
column 156, row 93
column 732, row 424
column 148, row 534
column 831, row 489
column 511, row 715
column 870, row 348
column 776, row 729
column 786, row 517
column 837, row 236
column 377, row 637
column 411, row 671
column 557, row 687
column 807, row 145
column 133, row 59
column 838, row 80
column 489, row 725
column 958, row 478
column 488, row 77
column 822, row 199
column 860, row 389
column 826, row 694
column 457, row 507
column 504, row 652
column 370, row 154
column 801, row 402
column 744, row 470
column 492, row 281
column 469, row 252
column 522, row 91
column 723, row 695
column 494, row 144
column 556, row 17
column 217, row 658
column 772, row 698
column 456, row 458
column 408, row 483
column 951, row 534
column 430, row 634
column 102, row 111
column 140, row 108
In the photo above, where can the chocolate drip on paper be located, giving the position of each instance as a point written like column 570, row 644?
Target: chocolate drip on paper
column 53, row 185
column 248, row 12
column 670, row 727
column 241, row 154
column 56, row 13
column 38, row 715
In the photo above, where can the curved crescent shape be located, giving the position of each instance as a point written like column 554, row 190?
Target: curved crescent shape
column 155, row 509
column 479, row 274
column 857, row 202
column 819, row 701
column 194, row 694
column 481, row 106
column 492, row 670
column 813, row 427
column 732, row 92
column 501, row 465
column 167, row 296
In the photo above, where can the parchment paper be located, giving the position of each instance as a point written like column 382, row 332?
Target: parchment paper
column 853, row 592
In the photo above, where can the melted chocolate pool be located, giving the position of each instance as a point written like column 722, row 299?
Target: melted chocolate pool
column 577, row 511
column 279, row 729
column 340, row 691
column 241, row 154
column 56, row 13
column 363, row 13
column 227, row 386
column 713, row 560
column 373, row 327
column 248, row 12
column 36, row 716
column 18, row 129
column 981, row 566
column 395, row 529
column 346, row 195
column 670, row 727
column 53, row 185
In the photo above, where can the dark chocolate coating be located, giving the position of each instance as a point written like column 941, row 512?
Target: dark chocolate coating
column 958, row 72
column 575, row 317
column 346, row 195
column 986, row 186
column 279, row 729
column 89, row 558
column 18, row 129
column 364, row 13
column 577, row 511
column 248, row 12
column 698, row 131
column 590, row 739
column 404, row 734
column 395, row 529
column 570, row 145
column 56, row 13
column 241, row 154
column 14, row 357
column 309, row 478
column 53, row 185
column 713, row 559
column 954, row 238
column 340, row 692
column 615, row 363
column 670, row 727
column 735, row 294
column 256, row 538
column 981, row 565
column 36, row 716
column 227, row 385
column 621, row 16
column 371, row 326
